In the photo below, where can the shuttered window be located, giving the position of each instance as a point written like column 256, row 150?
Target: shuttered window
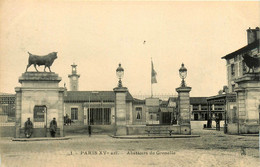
column 74, row 113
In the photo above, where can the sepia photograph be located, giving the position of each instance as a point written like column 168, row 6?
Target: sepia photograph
column 129, row 83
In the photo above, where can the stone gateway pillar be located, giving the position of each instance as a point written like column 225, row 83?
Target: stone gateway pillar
column 41, row 99
column 120, row 111
column 184, row 109
column 248, row 103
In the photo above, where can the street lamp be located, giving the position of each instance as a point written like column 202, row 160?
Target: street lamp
column 120, row 74
column 183, row 74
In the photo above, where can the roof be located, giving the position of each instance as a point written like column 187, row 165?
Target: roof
column 198, row 100
column 6, row 94
column 242, row 50
column 163, row 103
column 93, row 96
column 221, row 96
column 138, row 101
column 193, row 100
column 173, row 99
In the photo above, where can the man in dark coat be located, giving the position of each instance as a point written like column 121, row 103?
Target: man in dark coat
column 89, row 130
column 53, row 127
column 28, row 127
column 217, row 123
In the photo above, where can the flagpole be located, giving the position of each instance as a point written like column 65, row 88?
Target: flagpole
column 151, row 89
column 151, row 78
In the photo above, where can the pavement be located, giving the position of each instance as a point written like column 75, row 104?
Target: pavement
column 118, row 137
column 152, row 136
column 212, row 148
column 40, row 138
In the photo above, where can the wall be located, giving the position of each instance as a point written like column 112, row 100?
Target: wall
column 68, row 107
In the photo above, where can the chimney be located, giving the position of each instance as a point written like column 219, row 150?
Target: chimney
column 253, row 35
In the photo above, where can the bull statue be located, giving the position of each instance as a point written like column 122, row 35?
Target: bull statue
column 46, row 60
column 251, row 62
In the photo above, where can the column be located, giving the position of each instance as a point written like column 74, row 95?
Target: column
column 18, row 108
column 85, row 115
column 184, row 109
column 248, row 98
column 60, row 114
column 120, row 111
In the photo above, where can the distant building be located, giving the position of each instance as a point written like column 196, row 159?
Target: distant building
column 74, row 78
column 199, row 108
column 94, row 107
column 7, row 107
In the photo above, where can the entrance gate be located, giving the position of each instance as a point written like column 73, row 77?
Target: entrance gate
column 99, row 116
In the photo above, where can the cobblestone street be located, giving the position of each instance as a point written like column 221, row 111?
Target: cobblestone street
column 213, row 148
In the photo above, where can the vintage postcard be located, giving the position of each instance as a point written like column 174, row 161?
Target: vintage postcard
column 129, row 83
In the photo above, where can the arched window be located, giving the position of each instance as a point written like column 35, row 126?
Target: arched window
column 138, row 112
column 138, row 116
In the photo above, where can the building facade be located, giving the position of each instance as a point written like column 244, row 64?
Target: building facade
column 243, row 79
column 94, row 107
column 7, row 107
column 235, row 64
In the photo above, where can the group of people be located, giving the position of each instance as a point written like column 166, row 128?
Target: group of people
column 28, row 128
column 67, row 120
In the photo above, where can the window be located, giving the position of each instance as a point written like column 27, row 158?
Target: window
column 206, row 116
column 74, row 113
column 138, row 112
column 196, row 116
column 220, row 116
column 219, row 107
column 138, row 115
column 233, row 69
column 195, row 107
column 204, row 107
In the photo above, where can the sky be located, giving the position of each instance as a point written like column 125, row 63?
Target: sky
column 97, row 36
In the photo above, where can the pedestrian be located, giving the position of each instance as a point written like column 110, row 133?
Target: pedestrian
column 217, row 123
column 66, row 120
column 89, row 130
column 53, row 127
column 28, row 128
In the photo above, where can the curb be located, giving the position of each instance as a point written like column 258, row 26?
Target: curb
column 257, row 135
column 40, row 139
column 153, row 137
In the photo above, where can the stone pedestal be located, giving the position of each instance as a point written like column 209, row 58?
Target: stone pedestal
column 39, row 89
column 248, row 103
column 184, row 109
column 120, row 111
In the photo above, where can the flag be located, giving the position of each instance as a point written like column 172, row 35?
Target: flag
column 153, row 77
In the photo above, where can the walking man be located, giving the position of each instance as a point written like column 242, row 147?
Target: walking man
column 89, row 130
